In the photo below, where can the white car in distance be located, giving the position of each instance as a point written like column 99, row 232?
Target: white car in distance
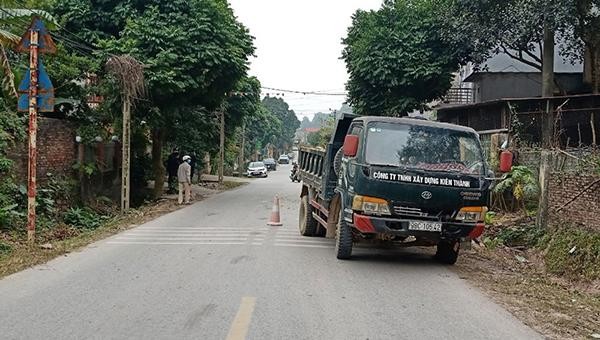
column 257, row 169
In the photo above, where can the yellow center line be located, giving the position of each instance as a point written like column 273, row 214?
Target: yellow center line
column 241, row 323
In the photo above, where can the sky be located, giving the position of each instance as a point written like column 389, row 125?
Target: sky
column 298, row 47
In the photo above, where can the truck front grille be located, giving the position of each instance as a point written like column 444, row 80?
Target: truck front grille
column 400, row 210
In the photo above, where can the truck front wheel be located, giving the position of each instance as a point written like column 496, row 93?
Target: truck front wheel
column 308, row 225
column 343, row 240
column 447, row 252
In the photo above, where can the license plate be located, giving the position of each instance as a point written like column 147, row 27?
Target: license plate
column 425, row 226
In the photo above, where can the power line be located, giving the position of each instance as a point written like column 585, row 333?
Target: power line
column 75, row 42
column 315, row 93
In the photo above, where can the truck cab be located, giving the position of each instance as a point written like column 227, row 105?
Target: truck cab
column 401, row 180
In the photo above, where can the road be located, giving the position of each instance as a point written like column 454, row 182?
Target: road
column 215, row 270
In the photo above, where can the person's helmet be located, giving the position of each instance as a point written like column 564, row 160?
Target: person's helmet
column 186, row 158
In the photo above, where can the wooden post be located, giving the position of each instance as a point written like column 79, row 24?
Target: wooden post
column 126, row 154
column 32, row 168
column 242, row 150
column 593, row 125
column 544, row 179
column 222, row 145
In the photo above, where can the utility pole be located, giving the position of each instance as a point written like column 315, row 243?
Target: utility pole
column 222, row 144
column 548, row 122
column 126, row 155
column 32, row 168
column 36, row 94
column 130, row 74
column 242, row 149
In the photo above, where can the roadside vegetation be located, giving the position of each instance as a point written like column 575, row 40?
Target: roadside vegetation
column 549, row 279
column 186, row 86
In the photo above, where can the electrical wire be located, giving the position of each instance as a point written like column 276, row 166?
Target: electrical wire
column 74, row 42
column 315, row 93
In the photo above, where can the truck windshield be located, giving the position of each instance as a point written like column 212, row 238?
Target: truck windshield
column 423, row 147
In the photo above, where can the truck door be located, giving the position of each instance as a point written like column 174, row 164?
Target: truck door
column 350, row 163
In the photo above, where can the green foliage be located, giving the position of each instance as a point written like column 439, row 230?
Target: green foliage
column 573, row 252
column 517, row 236
column 323, row 136
column 12, row 130
column 397, row 57
column 489, row 217
column 5, row 248
column 193, row 51
column 520, row 181
column 262, row 128
column 84, row 218
column 289, row 122
column 88, row 168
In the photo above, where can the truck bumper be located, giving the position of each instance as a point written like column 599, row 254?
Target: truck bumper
column 399, row 226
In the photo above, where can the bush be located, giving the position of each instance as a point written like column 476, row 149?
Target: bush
column 573, row 252
column 83, row 218
column 5, row 248
column 517, row 236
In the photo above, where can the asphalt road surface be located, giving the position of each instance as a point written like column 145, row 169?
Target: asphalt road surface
column 215, row 270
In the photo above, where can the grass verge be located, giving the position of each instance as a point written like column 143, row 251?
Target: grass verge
column 549, row 279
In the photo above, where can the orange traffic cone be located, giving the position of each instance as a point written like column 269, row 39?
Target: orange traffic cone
column 275, row 218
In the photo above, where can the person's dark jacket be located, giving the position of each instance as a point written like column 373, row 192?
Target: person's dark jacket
column 173, row 164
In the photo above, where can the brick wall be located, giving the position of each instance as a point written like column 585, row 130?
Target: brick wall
column 56, row 153
column 585, row 210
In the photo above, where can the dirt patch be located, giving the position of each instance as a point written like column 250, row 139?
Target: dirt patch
column 16, row 254
column 517, row 280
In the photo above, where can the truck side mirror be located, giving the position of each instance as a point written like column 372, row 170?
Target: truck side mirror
column 350, row 145
column 506, row 161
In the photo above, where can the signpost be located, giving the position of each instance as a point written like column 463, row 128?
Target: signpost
column 36, row 94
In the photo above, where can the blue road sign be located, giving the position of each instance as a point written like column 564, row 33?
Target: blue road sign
column 45, row 98
column 45, row 42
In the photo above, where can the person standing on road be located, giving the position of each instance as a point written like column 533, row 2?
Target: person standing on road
column 184, row 176
column 172, row 165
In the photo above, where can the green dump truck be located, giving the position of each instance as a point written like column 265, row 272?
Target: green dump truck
column 403, row 181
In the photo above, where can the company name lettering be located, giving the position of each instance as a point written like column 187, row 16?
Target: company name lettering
column 449, row 182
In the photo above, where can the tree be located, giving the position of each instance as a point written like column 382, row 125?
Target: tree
column 289, row 122
column 397, row 58
column 584, row 41
column 195, row 52
column 262, row 128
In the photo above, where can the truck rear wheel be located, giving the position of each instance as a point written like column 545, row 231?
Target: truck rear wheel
column 447, row 252
column 337, row 161
column 343, row 239
column 308, row 225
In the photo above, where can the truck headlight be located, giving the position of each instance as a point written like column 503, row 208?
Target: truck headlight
column 471, row 214
column 371, row 205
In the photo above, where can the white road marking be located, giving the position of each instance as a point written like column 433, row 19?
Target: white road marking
column 318, row 239
column 187, row 235
column 200, row 229
column 175, row 243
column 302, row 245
column 207, row 239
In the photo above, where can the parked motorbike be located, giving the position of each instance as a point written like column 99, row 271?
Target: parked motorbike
column 294, row 176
